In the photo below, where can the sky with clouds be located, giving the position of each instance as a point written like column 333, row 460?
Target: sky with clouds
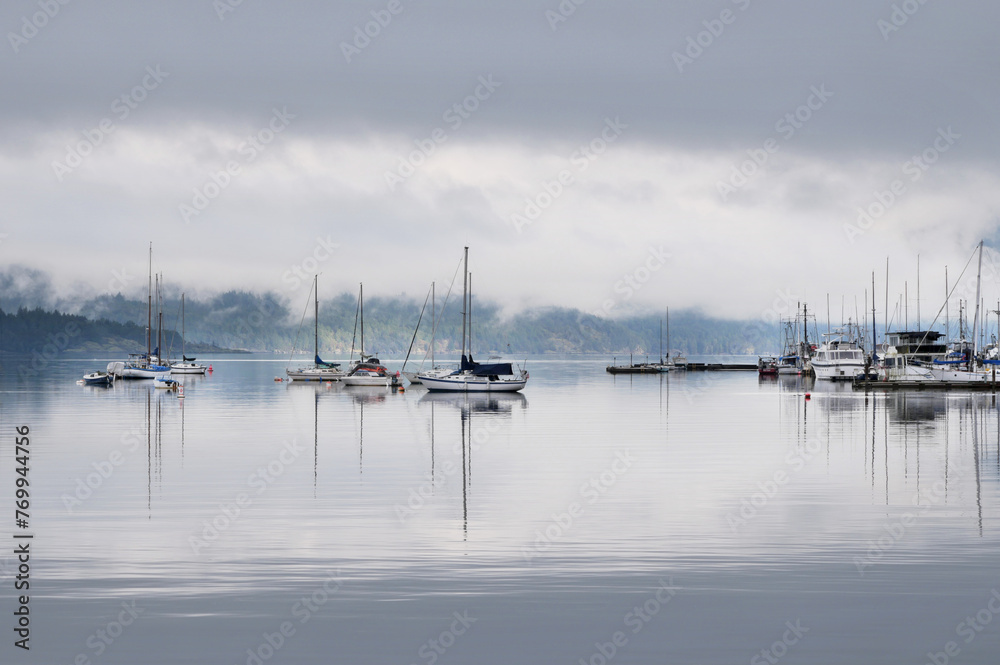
column 609, row 156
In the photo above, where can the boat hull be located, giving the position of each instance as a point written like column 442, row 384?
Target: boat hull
column 98, row 379
column 150, row 372
column 314, row 375
column 382, row 381
column 473, row 384
column 187, row 368
column 841, row 371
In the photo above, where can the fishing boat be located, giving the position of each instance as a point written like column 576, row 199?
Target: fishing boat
column 187, row 365
column 767, row 366
column 320, row 370
column 838, row 358
column 472, row 376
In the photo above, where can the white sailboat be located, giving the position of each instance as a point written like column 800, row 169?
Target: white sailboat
column 472, row 376
column 368, row 371
column 187, row 365
column 320, row 371
column 142, row 365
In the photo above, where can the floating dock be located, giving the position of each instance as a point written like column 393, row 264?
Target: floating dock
column 719, row 367
column 927, row 386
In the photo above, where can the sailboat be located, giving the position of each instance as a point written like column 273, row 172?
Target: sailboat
column 142, row 365
column 187, row 365
column 472, row 376
column 321, row 370
column 368, row 371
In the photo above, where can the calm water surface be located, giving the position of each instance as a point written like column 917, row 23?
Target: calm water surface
column 701, row 518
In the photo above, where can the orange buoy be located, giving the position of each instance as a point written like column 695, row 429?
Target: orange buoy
column 808, row 396
column 278, row 379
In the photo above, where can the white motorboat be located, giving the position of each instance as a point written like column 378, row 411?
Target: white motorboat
column 107, row 377
column 838, row 359
column 164, row 382
column 368, row 373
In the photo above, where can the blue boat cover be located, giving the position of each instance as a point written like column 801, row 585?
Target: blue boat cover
column 479, row 369
column 319, row 361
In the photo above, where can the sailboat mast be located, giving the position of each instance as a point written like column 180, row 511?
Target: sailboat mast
column 183, row 330
column 159, row 322
column 668, row 333
column 975, row 321
column 874, row 333
column 434, row 325
column 661, row 341
column 361, row 304
column 470, row 316
column 149, row 306
column 947, row 311
column 465, row 293
column 316, row 322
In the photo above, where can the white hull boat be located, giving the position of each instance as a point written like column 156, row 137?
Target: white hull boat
column 470, row 383
column 838, row 359
column 320, row 371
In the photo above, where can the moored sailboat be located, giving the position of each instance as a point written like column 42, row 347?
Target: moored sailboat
column 321, row 370
column 472, row 376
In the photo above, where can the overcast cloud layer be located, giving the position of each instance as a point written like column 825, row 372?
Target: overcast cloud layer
column 601, row 155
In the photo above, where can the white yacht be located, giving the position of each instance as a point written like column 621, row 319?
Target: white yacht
column 838, row 359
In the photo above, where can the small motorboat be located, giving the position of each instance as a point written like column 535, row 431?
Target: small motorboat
column 164, row 382
column 105, row 378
